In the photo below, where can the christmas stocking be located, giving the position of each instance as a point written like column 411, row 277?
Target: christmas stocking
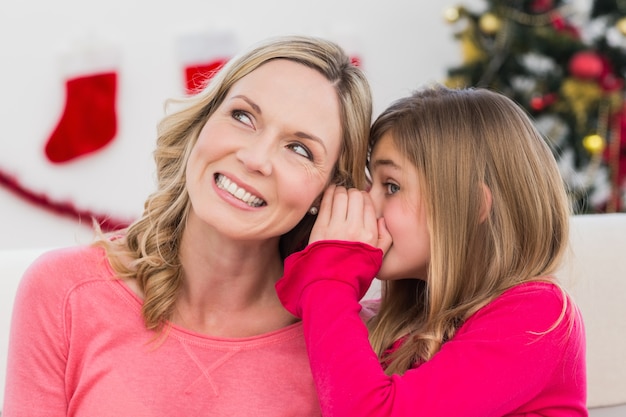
column 89, row 120
column 196, row 76
column 203, row 54
column 348, row 38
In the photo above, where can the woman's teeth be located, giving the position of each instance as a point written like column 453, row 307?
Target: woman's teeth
column 227, row 185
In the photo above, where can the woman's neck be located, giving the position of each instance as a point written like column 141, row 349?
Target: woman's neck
column 228, row 287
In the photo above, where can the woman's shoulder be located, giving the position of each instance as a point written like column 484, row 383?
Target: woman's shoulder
column 67, row 267
column 70, row 258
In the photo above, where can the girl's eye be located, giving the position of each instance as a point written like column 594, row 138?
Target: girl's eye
column 392, row 188
column 242, row 117
column 301, row 150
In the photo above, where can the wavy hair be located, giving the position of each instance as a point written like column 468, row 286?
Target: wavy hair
column 460, row 141
column 149, row 250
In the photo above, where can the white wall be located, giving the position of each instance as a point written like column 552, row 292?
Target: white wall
column 403, row 43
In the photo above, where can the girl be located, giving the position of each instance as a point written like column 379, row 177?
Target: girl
column 471, row 321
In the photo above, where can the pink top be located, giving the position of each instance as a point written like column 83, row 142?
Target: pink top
column 78, row 347
column 503, row 361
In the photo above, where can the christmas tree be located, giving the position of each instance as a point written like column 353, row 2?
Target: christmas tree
column 568, row 75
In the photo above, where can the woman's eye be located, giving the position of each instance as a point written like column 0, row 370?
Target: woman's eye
column 301, row 150
column 242, row 117
column 392, row 188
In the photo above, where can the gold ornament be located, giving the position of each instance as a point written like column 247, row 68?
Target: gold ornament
column 594, row 144
column 470, row 48
column 456, row 82
column 621, row 25
column 579, row 97
column 452, row 14
column 489, row 24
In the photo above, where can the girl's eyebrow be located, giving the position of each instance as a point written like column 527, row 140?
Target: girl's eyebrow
column 384, row 162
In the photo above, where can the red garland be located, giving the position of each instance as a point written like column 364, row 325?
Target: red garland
column 65, row 209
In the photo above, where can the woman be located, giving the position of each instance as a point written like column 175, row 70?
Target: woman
column 177, row 315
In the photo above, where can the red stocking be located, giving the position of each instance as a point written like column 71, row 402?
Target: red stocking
column 196, row 76
column 203, row 54
column 348, row 38
column 356, row 60
column 89, row 120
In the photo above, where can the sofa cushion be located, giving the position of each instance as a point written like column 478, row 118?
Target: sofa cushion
column 594, row 273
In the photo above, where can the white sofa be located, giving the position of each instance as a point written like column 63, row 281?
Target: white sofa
column 594, row 273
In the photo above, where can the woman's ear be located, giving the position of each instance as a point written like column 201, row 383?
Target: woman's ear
column 487, row 202
column 318, row 200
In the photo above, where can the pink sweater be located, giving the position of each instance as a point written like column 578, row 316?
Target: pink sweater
column 78, row 347
column 502, row 361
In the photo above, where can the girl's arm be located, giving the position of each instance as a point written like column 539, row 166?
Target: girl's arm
column 493, row 366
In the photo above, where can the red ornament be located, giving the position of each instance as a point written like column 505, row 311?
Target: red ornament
column 609, row 82
column 558, row 22
column 615, row 157
column 536, row 103
column 561, row 25
column 541, row 6
column 539, row 103
column 621, row 173
column 586, row 65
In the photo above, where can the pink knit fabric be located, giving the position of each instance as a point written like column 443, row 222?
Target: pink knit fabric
column 503, row 361
column 78, row 347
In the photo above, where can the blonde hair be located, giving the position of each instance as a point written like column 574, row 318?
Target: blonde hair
column 460, row 141
column 152, row 242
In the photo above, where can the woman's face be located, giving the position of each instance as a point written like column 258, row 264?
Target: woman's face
column 266, row 153
column 397, row 198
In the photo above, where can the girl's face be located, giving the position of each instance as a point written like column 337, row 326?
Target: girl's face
column 266, row 153
column 397, row 198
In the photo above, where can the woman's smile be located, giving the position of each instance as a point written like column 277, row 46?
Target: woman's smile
column 224, row 183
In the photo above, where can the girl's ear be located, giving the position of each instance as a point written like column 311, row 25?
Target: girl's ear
column 487, row 203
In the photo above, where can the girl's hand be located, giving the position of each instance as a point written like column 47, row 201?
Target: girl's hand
column 349, row 214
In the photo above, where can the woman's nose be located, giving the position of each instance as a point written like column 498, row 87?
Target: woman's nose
column 257, row 155
column 376, row 200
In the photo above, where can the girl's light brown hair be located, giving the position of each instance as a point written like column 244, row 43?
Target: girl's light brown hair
column 461, row 141
column 149, row 250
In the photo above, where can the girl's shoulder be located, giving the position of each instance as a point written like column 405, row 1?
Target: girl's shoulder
column 544, row 291
column 537, row 306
